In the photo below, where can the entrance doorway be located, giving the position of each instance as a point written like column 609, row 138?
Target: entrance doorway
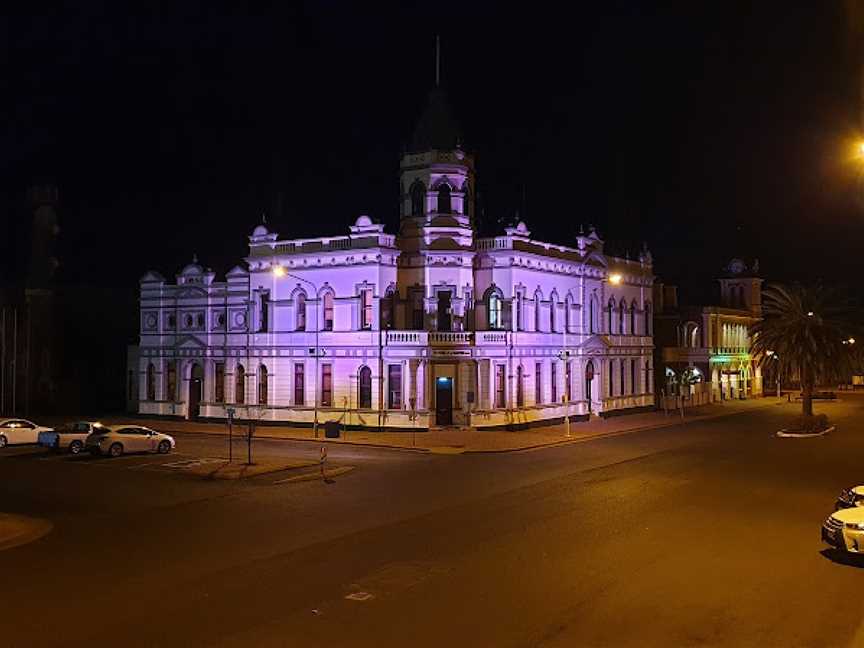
column 444, row 401
column 196, row 385
column 589, row 378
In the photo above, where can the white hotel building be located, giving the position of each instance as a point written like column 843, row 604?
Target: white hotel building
column 430, row 327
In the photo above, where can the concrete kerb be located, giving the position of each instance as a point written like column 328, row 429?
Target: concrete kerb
column 606, row 435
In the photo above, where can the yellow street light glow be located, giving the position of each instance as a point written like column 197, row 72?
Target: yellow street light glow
column 809, row 313
column 278, row 271
column 851, row 340
column 861, row 148
column 615, row 278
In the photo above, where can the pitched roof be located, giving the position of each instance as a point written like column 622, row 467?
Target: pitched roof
column 437, row 128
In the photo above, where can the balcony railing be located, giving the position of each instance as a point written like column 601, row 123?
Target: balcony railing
column 446, row 338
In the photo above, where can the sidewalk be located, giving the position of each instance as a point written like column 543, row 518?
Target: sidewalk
column 458, row 441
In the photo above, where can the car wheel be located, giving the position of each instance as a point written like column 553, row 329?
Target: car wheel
column 164, row 447
column 115, row 450
column 3, row 441
column 76, row 447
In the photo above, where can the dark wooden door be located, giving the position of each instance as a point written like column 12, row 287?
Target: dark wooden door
column 444, row 401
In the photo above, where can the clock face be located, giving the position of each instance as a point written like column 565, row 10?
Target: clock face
column 240, row 319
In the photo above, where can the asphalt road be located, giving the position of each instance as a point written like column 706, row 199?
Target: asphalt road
column 705, row 534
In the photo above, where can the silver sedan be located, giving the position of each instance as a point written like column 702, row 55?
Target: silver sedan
column 119, row 439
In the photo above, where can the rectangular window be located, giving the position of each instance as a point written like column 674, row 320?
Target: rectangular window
column 500, row 387
column 417, row 310
column 264, row 317
column 171, row 386
column 567, row 380
column 518, row 311
column 326, row 385
column 219, row 383
column 520, row 391
column 328, row 311
column 611, row 379
column 623, row 391
column 538, row 383
column 366, row 309
column 633, row 385
column 299, row 384
column 554, row 382
column 394, row 386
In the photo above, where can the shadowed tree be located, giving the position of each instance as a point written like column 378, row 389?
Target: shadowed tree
column 804, row 328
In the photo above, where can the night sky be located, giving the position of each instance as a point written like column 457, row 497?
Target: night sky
column 709, row 130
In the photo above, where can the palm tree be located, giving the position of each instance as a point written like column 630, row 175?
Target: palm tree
column 804, row 328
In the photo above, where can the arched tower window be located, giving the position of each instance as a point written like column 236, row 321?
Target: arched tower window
column 538, row 298
column 592, row 315
column 364, row 384
column 553, row 306
column 633, row 318
column 621, row 319
column 418, row 198
column 240, row 385
column 262, row 385
column 466, row 200
column 647, row 318
column 444, row 198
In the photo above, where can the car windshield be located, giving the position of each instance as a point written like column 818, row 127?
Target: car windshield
column 79, row 427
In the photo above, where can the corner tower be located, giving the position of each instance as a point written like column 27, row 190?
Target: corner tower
column 437, row 182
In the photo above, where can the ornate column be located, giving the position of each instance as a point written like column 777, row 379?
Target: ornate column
column 421, row 384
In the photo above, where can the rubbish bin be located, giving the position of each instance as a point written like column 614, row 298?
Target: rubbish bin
column 331, row 430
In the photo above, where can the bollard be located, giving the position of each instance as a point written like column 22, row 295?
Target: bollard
column 322, row 461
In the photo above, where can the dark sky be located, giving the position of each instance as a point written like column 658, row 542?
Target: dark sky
column 707, row 129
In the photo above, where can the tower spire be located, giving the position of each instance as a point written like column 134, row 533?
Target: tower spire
column 437, row 60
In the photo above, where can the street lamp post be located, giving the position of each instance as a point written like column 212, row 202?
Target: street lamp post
column 279, row 271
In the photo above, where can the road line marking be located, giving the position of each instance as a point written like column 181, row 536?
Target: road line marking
column 360, row 596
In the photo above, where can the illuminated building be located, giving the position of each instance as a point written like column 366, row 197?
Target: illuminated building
column 707, row 349
column 429, row 327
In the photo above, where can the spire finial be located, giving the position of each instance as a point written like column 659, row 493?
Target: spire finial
column 437, row 60
column 194, row 258
column 263, row 217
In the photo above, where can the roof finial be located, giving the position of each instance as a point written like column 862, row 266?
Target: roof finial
column 194, row 258
column 437, row 60
column 263, row 217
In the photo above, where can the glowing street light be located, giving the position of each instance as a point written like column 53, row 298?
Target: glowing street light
column 809, row 313
column 615, row 278
column 278, row 271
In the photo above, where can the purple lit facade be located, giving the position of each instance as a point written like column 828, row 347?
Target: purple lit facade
column 428, row 328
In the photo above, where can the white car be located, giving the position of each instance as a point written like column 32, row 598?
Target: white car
column 850, row 497
column 119, row 439
column 844, row 529
column 71, row 438
column 14, row 431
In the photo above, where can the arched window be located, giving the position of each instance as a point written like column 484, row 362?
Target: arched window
column 538, row 298
column 621, row 365
column 328, row 311
column 633, row 386
column 240, row 385
column 444, row 198
column 151, row 382
column 494, row 311
column 520, row 387
column 364, row 384
column 519, row 323
column 300, row 301
column 418, row 197
column 621, row 318
column 262, row 385
column 633, row 318
column 592, row 315
column 611, row 378
column 647, row 318
column 553, row 305
column 171, row 386
column 568, row 307
column 610, row 309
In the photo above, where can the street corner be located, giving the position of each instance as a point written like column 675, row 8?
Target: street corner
column 17, row 530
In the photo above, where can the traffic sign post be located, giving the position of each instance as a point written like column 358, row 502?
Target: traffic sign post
column 230, row 411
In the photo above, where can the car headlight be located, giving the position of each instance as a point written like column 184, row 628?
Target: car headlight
column 858, row 526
